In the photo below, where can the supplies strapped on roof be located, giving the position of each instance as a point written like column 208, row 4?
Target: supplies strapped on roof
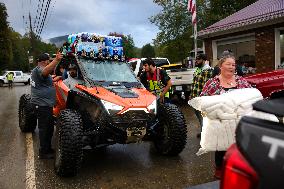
column 94, row 46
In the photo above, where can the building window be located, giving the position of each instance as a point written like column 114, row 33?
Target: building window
column 244, row 52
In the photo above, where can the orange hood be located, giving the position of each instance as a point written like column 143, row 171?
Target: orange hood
column 144, row 99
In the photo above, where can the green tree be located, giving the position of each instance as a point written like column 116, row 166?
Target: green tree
column 14, row 47
column 20, row 48
column 174, row 39
column 211, row 11
column 128, row 46
column 6, row 55
column 137, row 52
column 174, row 22
column 148, row 51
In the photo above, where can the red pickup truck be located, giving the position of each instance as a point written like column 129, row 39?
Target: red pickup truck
column 268, row 82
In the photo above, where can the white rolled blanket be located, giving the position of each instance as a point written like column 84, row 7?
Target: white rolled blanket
column 204, row 102
column 219, row 114
column 217, row 135
column 227, row 105
column 222, row 113
column 240, row 96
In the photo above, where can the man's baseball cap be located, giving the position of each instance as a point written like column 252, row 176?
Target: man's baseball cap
column 72, row 66
column 201, row 56
column 43, row 57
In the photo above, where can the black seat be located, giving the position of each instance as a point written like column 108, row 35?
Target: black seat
column 272, row 106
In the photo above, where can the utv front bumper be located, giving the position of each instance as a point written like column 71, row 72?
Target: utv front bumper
column 132, row 125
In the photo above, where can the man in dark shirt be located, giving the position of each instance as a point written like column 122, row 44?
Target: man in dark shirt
column 203, row 72
column 156, row 80
column 43, row 100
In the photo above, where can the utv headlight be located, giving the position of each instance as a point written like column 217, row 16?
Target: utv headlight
column 153, row 107
column 111, row 107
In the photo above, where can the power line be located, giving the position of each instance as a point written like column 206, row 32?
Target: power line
column 38, row 5
column 39, row 13
column 39, row 20
column 44, row 16
column 49, row 16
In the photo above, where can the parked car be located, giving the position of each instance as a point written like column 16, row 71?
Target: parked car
column 268, row 82
column 19, row 77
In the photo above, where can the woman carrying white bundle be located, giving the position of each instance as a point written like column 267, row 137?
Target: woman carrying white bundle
column 225, row 81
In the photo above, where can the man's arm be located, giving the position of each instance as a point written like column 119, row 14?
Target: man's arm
column 166, row 80
column 50, row 67
column 167, row 88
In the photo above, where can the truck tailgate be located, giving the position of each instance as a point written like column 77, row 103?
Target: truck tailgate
column 181, row 76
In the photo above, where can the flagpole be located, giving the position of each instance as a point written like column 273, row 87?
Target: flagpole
column 191, row 7
column 195, row 39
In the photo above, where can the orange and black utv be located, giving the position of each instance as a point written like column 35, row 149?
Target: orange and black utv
column 107, row 105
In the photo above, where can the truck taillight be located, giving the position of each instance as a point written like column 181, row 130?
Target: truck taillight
column 237, row 173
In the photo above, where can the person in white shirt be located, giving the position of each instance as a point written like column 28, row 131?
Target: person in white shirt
column 72, row 79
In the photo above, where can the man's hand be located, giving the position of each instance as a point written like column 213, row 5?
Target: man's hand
column 56, row 78
column 59, row 56
column 50, row 67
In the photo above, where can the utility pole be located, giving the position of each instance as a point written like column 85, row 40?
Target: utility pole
column 32, row 42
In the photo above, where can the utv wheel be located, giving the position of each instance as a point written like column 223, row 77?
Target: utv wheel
column 27, row 118
column 68, row 145
column 171, row 132
column 1, row 83
column 27, row 83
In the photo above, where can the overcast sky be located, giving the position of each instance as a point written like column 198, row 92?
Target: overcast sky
column 98, row 16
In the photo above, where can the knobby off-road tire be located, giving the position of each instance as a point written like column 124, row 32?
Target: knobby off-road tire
column 1, row 83
column 68, row 145
column 171, row 132
column 27, row 117
column 27, row 83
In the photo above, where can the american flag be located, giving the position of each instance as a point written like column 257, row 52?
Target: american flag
column 191, row 7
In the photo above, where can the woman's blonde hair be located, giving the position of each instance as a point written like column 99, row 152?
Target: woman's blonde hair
column 226, row 54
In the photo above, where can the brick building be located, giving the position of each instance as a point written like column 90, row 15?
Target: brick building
column 255, row 34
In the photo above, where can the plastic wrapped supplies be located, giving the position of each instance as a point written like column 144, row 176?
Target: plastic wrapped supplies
column 221, row 115
column 92, row 45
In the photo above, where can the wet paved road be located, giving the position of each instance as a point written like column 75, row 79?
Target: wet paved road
column 119, row 166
